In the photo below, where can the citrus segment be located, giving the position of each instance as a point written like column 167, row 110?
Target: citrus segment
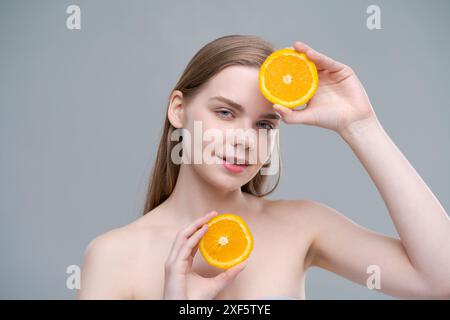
column 288, row 78
column 227, row 242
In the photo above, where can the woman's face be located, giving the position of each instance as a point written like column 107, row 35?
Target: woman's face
column 236, row 125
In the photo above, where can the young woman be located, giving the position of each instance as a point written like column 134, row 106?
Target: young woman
column 155, row 256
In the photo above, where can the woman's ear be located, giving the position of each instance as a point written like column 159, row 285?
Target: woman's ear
column 175, row 112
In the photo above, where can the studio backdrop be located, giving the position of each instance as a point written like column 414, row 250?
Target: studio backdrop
column 83, row 100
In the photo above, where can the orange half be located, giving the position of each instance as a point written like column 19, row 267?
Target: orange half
column 288, row 78
column 227, row 242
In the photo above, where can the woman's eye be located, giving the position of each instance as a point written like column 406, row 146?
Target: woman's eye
column 265, row 125
column 224, row 114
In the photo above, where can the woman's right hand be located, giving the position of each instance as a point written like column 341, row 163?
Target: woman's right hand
column 180, row 282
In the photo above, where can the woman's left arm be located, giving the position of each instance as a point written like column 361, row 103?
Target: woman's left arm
column 341, row 105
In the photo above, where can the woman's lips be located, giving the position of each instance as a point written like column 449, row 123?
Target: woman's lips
column 235, row 168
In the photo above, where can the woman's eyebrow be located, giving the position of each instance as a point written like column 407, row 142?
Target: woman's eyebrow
column 238, row 107
column 274, row 116
column 231, row 103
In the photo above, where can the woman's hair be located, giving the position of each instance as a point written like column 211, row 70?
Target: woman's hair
column 245, row 50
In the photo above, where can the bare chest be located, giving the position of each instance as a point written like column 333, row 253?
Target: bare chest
column 275, row 267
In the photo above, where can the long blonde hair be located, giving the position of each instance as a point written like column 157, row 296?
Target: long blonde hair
column 223, row 52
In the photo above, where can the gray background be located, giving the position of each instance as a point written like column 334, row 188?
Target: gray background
column 81, row 113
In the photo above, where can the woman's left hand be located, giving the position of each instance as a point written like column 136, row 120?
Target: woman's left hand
column 340, row 100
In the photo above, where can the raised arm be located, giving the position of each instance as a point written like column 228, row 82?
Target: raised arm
column 417, row 264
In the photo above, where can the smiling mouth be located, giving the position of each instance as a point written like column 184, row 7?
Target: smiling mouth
column 235, row 161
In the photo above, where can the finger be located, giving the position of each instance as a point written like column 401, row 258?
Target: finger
column 226, row 277
column 188, row 247
column 190, row 229
column 321, row 61
column 186, row 232
column 194, row 250
column 304, row 116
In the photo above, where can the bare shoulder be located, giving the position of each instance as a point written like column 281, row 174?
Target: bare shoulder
column 297, row 209
column 306, row 208
column 305, row 220
column 112, row 258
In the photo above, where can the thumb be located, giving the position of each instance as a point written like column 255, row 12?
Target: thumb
column 304, row 116
column 225, row 278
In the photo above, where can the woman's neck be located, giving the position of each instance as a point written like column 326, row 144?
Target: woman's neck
column 193, row 197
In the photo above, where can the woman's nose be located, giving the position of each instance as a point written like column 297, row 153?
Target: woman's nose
column 245, row 139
